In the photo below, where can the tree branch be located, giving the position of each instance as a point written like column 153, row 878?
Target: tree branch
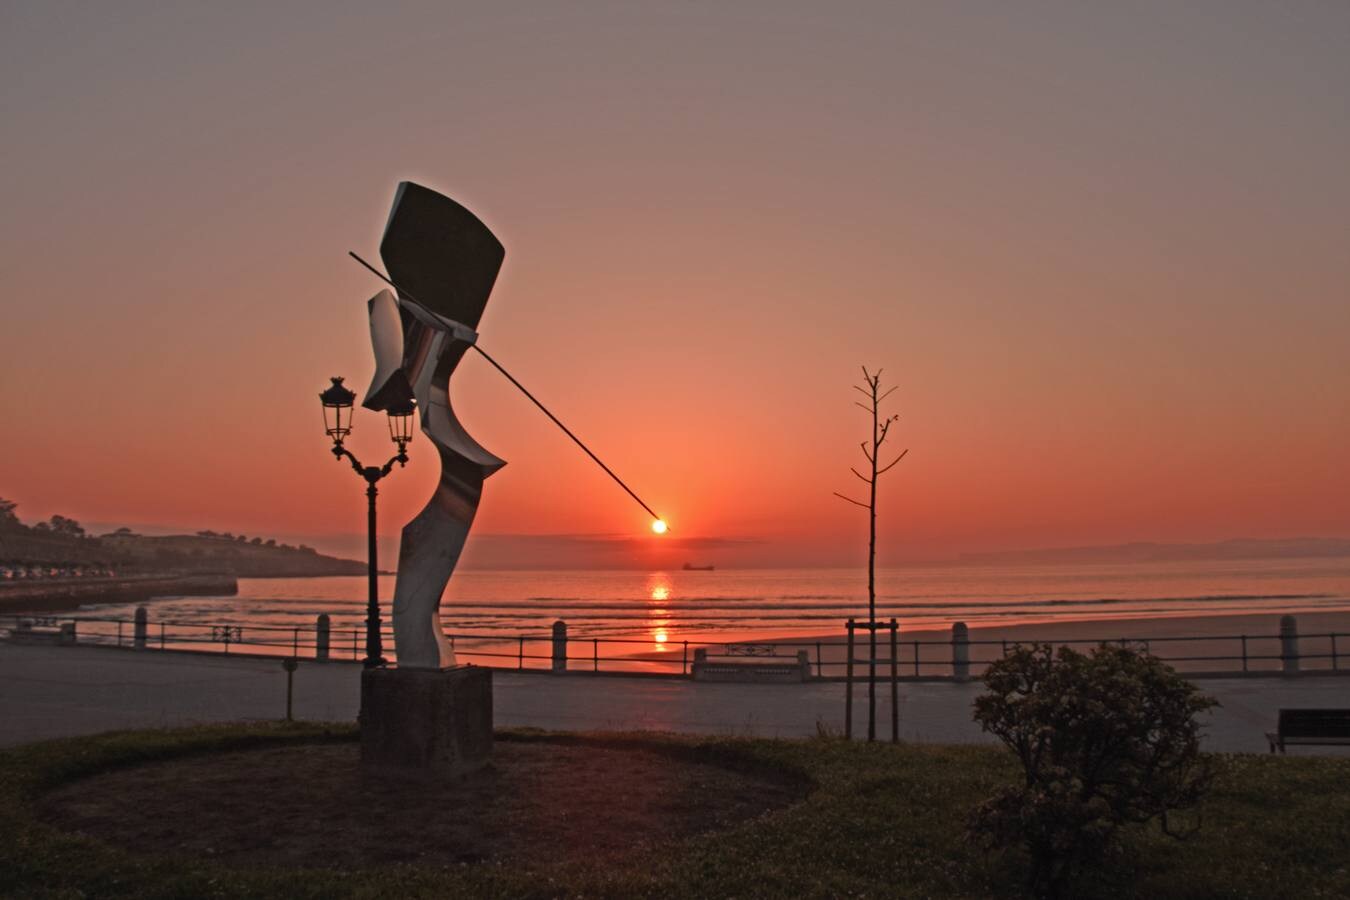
column 851, row 500
column 885, row 427
column 896, row 460
column 860, row 475
column 863, row 445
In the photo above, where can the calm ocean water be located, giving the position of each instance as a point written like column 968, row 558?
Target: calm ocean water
column 660, row 608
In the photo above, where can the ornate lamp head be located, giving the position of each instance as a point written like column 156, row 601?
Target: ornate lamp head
column 401, row 427
column 337, row 411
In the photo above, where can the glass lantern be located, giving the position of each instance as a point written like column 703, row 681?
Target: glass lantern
column 401, row 423
column 337, row 410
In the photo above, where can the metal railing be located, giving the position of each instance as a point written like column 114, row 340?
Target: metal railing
column 1197, row 655
column 523, row 652
column 932, row 657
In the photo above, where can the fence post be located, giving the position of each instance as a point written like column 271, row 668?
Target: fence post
column 819, row 672
column 871, row 679
column 289, row 664
column 161, row 635
column 595, row 654
column 322, row 624
column 684, row 663
column 895, row 683
column 848, row 687
column 1289, row 644
column 520, row 654
column 1244, row 653
column 960, row 652
column 560, row 646
column 142, row 623
column 1335, row 664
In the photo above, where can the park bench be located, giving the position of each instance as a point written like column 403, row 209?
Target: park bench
column 42, row 630
column 751, row 664
column 1310, row 727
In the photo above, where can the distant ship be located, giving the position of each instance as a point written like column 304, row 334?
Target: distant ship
column 690, row 567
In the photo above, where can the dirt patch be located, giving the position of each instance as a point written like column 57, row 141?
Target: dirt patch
column 309, row 805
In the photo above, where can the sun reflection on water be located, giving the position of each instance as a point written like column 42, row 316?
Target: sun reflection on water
column 659, row 588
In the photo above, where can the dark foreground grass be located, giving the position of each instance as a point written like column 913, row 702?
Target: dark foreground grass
column 878, row 821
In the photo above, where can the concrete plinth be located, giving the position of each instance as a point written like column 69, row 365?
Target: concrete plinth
column 426, row 722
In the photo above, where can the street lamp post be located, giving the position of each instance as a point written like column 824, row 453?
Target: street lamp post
column 337, row 419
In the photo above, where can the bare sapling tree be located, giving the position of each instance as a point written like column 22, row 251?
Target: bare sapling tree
column 881, row 428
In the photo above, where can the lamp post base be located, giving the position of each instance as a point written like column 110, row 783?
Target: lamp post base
column 434, row 723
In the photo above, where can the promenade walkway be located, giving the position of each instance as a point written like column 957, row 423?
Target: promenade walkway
column 48, row 692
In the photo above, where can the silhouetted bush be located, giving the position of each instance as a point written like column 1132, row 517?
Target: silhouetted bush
column 1104, row 740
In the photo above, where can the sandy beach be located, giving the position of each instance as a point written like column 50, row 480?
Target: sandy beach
column 1208, row 643
column 1150, row 628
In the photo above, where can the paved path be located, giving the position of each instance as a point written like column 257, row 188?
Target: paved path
column 48, row 692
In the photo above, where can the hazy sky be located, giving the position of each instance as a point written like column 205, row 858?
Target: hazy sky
column 1103, row 249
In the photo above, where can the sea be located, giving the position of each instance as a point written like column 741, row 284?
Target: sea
column 654, row 612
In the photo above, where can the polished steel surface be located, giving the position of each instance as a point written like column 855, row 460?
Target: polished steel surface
column 445, row 262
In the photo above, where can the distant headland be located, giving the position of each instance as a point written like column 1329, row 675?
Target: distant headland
column 60, row 547
column 1140, row 552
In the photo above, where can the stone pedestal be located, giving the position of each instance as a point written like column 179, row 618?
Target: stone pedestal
column 426, row 722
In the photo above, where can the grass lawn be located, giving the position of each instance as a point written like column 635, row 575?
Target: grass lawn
column 861, row 820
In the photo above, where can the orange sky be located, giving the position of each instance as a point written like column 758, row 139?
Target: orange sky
column 1102, row 252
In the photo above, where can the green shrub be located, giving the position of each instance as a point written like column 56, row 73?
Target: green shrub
column 1104, row 740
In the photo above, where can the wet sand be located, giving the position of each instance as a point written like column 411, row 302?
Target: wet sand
column 1093, row 630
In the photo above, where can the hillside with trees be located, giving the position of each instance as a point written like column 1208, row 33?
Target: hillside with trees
column 60, row 546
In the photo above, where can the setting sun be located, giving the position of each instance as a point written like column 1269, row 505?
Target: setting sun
column 659, row 526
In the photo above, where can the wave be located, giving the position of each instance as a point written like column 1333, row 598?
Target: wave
column 683, row 622
column 674, row 604
column 757, row 603
column 286, row 605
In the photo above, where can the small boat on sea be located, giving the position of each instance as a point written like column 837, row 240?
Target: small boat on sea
column 690, row 567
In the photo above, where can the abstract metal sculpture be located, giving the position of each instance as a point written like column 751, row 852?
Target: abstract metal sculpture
column 444, row 261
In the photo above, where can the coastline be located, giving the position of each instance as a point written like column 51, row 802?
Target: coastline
column 649, row 631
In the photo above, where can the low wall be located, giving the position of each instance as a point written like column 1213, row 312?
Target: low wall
column 39, row 595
